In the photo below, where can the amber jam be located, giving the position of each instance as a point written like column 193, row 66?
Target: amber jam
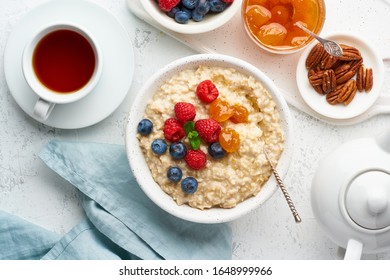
column 271, row 23
column 64, row 61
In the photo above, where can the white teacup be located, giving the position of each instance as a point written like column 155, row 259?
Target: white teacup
column 62, row 63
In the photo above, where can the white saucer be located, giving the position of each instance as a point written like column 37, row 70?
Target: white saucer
column 362, row 101
column 118, row 61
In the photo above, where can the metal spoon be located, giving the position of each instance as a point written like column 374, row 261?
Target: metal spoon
column 331, row 47
column 284, row 191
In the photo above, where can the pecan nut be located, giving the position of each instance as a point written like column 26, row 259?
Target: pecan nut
column 342, row 68
column 350, row 53
column 355, row 64
column 360, row 79
column 332, row 98
column 318, row 89
column 350, row 98
column 344, row 77
column 315, row 56
column 364, row 79
column 328, row 81
column 315, row 77
column 347, row 92
column 328, row 61
column 369, row 80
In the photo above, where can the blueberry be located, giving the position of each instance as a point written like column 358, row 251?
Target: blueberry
column 182, row 17
column 203, row 7
column 190, row 4
column 217, row 6
column 189, row 185
column 173, row 11
column 159, row 146
column 197, row 16
column 174, row 174
column 186, row 10
column 145, row 127
column 215, row 150
column 178, row 150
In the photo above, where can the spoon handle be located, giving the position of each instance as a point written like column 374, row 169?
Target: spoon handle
column 284, row 191
column 310, row 32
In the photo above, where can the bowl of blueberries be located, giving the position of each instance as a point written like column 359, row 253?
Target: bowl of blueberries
column 191, row 16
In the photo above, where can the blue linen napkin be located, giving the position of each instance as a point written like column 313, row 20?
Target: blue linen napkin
column 22, row 240
column 122, row 222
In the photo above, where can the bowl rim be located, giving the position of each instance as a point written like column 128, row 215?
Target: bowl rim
column 137, row 160
column 151, row 7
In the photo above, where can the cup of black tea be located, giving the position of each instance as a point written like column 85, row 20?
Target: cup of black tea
column 62, row 63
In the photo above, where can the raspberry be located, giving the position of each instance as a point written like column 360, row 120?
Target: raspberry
column 185, row 112
column 167, row 5
column 207, row 91
column 173, row 130
column 195, row 159
column 228, row 1
column 208, row 129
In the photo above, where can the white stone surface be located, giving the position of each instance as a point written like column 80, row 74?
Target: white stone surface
column 32, row 191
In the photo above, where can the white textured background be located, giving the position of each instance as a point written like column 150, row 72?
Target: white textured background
column 30, row 190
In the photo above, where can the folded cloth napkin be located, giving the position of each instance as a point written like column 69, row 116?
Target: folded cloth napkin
column 122, row 222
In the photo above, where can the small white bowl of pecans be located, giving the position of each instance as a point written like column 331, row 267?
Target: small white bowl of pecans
column 340, row 87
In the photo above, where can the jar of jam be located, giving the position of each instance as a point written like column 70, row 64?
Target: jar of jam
column 271, row 23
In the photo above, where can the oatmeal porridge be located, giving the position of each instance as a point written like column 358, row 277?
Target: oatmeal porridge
column 234, row 175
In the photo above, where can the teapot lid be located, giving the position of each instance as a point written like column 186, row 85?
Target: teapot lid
column 367, row 200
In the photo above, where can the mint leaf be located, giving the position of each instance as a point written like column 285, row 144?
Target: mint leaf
column 195, row 143
column 194, row 138
column 188, row 127
column 193, row 134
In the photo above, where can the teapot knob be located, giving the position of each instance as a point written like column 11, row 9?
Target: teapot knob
column 367, row 199
column 377, row 202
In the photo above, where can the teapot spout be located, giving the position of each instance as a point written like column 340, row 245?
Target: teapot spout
column 383, row 140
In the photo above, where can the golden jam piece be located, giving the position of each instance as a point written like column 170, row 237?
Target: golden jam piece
column 272, row 34
column 271, row 22
column 240, row 114
column 229, row 139
column 220, row 110
column 281, row 13
column 258, row 15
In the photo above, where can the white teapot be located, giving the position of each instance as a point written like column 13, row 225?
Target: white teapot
column 350, row 196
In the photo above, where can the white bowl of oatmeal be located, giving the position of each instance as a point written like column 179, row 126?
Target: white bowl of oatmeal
column 242, row 180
